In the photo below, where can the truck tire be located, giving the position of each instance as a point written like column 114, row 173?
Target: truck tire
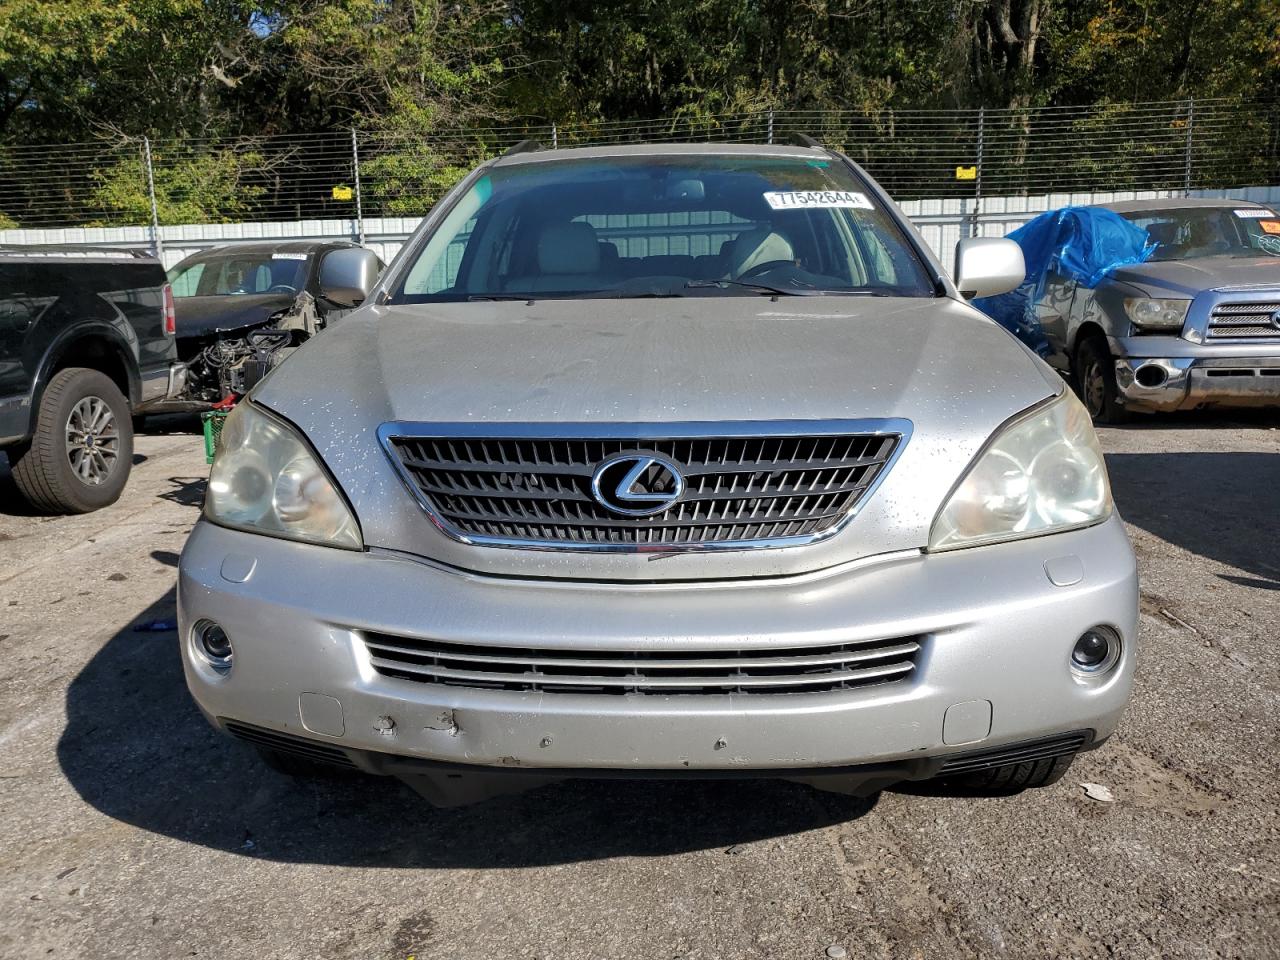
column 1096, row 379
column 1013, row 777
column 79, row 456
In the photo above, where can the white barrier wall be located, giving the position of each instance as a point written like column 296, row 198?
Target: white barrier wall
column 941, row 222
column 944, row 222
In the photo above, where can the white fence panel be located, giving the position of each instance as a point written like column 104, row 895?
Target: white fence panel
column 942, row 222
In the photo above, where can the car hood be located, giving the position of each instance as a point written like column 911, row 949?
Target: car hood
column 206, row 316
column 1189, row 277
column 950, row 371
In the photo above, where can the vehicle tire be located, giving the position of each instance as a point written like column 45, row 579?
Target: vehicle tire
column 79, row 456
column 1096, row 381
column 292, row 765
column 1013, row 777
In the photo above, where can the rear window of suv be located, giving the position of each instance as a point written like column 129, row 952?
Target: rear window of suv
column 664, row 225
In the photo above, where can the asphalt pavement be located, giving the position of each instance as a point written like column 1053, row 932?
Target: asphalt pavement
column 129, row 829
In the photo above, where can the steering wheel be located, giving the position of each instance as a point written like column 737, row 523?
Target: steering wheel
column 762, row 268
column 281, row 288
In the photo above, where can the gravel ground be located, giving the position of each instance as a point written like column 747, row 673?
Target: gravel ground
column 130, row 829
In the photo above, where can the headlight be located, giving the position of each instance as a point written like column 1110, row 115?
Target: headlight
column 266, row 480
column 1041, row 473
column 1156, row 314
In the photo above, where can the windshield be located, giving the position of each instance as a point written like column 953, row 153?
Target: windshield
column 225, row 274
column 1196, row 232
column 665, row 226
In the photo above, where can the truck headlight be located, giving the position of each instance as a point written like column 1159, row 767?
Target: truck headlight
column 265, row 479
column 1041, row 473
column 1151, row 314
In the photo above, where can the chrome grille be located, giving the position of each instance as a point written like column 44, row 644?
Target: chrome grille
column 811, row 669
column 1244, row 321
column 738, row 489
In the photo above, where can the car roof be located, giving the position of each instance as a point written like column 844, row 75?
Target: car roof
column 74, row 250
column 1178, row 203
column 661, row 150
column 271, row 246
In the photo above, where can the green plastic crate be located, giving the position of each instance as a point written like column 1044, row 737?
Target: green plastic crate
column 212, row 420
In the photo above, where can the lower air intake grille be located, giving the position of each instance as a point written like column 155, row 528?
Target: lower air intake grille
column 722, row 671
column 1016, row 753
column 730, row 489
column 286, row 743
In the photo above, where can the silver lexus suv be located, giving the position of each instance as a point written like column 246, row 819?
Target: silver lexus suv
column 676, row 461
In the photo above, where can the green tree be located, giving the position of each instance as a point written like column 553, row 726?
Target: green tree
column 210, row 187
column 398, row 65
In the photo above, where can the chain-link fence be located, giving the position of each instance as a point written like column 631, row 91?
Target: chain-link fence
column 916, row 154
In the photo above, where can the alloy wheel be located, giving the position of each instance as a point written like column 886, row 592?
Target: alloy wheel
column 1095, row 388
column 93, row 440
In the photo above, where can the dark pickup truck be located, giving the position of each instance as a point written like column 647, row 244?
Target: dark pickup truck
column 86, row 344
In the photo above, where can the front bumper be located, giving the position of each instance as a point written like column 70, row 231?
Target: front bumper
column 1164, row 373
column 1184, row 383
column 998, row 638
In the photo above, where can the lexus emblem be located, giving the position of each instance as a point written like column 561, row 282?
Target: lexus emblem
column 1275, row 319
column 637, row 484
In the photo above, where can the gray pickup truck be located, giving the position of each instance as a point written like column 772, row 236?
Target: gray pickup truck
column 86, row 345
column 1196, row 325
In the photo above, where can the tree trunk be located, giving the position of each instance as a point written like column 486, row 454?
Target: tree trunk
column 1006, row 39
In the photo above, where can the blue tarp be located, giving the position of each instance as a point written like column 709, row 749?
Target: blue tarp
column 1080, row 243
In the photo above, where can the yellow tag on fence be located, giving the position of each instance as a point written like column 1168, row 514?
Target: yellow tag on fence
column 966, row 173
column 343, row 193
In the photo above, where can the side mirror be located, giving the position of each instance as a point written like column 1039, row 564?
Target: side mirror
column 986, row 266
column 347, row 276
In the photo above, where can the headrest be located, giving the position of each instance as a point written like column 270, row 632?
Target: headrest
column 1163, row 231
column 568, row 248
column 754, row 247
column 609, row 258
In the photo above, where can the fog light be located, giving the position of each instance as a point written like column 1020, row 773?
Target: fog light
column 213, row 645
column 1096, row 651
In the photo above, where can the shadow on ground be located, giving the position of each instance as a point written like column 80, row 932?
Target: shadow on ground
column 12, row 502
column 171, row 424
column 186, row 491
column 1222, row 506
column 136, row 748
column 1209, row 419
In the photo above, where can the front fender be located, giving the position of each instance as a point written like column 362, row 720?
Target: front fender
column 49, row 356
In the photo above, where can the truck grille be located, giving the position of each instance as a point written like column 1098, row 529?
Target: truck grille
column 736, row 489
column 712, row 671
column 1244, row 321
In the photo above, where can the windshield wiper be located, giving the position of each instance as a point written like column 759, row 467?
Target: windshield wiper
column 761, row 288
column 497, row 297
column 626, row 295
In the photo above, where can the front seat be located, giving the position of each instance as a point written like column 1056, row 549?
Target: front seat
column 754, row 247
column 568, row 256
